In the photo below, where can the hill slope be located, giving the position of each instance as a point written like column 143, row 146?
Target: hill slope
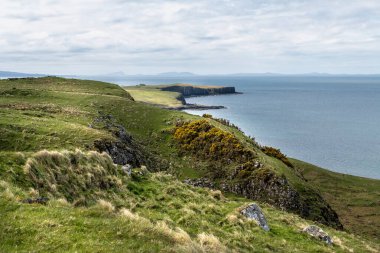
column 65, row 114
column 356, row 199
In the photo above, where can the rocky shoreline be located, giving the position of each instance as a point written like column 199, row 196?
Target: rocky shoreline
column 189, row 90
column 198, row 107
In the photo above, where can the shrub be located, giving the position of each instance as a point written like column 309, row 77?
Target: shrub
column 208, row 142
column 207, row 116
column 276, row 153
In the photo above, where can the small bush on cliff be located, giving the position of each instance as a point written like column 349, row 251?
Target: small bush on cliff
column 207, row 116
column 208, row 142
column 277, row 154
column 221, row 121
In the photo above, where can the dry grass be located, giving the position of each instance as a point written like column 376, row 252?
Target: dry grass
column 72, row 174
column 105, row 205
column 216, row 194
column 210, row 243
column 177, row 235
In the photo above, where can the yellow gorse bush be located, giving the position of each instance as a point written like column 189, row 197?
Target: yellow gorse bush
column 203, row 139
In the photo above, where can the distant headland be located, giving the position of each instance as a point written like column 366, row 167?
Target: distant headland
column 173, row 96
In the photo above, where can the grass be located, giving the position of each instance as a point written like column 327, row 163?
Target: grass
column 155, row 213
column 56, row 114
column 356, row 199
column 155, row 96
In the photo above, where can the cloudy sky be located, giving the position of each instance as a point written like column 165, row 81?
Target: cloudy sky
column 214, row 36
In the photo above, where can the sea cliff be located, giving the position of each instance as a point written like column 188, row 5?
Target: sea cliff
column 190, row 90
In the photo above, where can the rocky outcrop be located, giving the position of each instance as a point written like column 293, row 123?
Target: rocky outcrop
column 181, row 98
column 124, row 150
column 318, row 233
column 200, row 182
column 276, row 190
column 188, row 90
column 196, row 107
column 270, row 188
column 253, row 211
column 120, row 153
column 39, row 200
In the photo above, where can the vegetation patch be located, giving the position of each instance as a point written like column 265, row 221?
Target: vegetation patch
column 221, row 121
column 209, row 142
column 72, row 174
column 166, row 216
column 155, row 96
column 276, row 153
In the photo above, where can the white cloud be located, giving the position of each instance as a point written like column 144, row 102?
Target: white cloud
column 101, row 36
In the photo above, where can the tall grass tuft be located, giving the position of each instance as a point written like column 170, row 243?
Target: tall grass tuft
column 105, row 205
column 211, row 243
column 74, row 175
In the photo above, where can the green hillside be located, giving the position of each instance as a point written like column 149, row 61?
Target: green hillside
column 356, row 199
column 53, row 131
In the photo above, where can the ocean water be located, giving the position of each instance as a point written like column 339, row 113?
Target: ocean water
column 333, row 122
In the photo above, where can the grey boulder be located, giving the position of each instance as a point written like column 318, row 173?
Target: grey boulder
column 253, row 211
column 317, row 232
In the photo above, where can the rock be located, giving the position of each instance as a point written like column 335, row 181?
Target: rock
column 317, row 232
column 39, row 200
column 121, row 153
column 137, row 173
column 253, row 211
column 127, row 169
column 257, row 164
column 200, row 182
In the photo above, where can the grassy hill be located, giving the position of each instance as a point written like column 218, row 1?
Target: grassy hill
column 52, row 133
column 155, row 96
column 356, row 199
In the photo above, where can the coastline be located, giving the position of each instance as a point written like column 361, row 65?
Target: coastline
column 173, row 97
column 201, row 107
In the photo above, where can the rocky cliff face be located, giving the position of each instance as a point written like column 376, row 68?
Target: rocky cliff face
column 124, row 150
column 188, row 91
column 277, row 191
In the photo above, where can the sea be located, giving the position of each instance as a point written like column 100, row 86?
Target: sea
column 329, row 121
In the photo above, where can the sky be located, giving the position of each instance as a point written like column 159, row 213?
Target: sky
column 199, row 36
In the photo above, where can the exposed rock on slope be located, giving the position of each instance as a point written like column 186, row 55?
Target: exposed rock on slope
column 124, row 150
column 268, row 187
column 317, row 232
column 253, row 211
